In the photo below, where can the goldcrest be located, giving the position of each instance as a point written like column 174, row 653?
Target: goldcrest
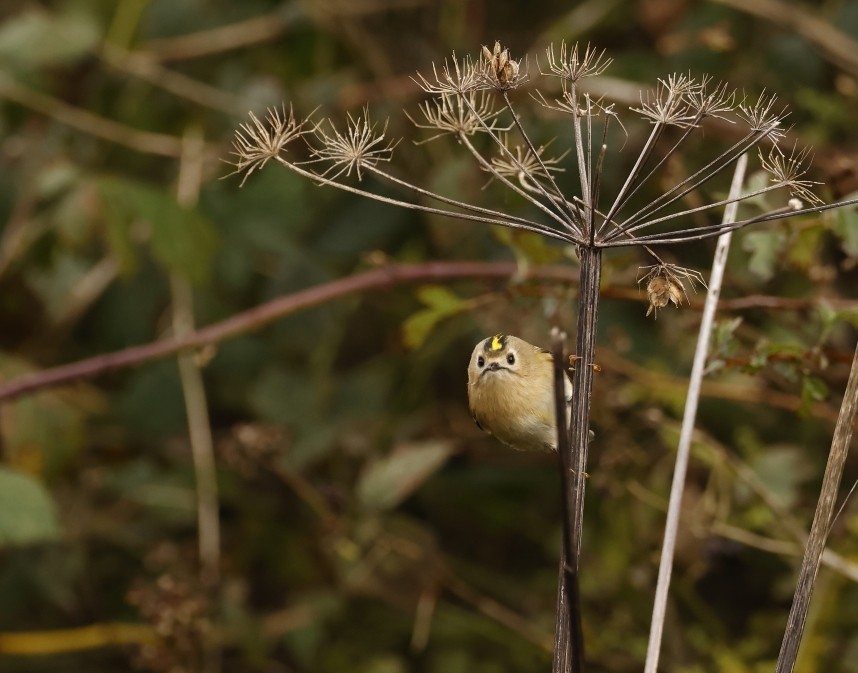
column 511, row 392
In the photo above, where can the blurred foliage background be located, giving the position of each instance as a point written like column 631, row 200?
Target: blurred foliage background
column 364, row 523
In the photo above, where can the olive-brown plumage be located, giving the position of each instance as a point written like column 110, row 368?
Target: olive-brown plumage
column 511, row 392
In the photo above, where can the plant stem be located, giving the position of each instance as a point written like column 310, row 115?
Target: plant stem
column 684, row 449
column 193, row 387
column 582, row 385
column 568, row 636
column 820, row 527
column 569, row 610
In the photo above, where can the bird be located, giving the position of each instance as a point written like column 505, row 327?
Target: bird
column 511, row 392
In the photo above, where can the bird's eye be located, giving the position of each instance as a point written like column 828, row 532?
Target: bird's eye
column 481, row 361
column 510, row 359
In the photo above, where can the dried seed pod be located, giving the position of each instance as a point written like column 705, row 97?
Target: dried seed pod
column 664, row 285
column 675, row 291
column 658, row 293
column 501, row 71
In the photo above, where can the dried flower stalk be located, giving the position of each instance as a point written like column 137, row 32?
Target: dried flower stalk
column 472, row 96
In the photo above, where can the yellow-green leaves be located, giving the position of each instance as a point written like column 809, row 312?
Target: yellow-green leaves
column 440, row 303
column 35, row 38
column 27, row 513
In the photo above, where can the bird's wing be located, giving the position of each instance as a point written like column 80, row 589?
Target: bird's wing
column 477, row 421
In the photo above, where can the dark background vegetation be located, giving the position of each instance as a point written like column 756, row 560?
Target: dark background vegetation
column 367, row 525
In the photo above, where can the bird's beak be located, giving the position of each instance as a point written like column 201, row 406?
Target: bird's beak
column 494, row 366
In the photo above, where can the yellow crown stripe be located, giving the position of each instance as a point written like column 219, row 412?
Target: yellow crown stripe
column 496, row 344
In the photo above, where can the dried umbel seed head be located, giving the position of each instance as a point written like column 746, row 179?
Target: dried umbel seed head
column 658, row 293
column 501, row 70
column 664, row 285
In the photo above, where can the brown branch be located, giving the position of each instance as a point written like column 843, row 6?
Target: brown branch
column 224, row 38
column 143, row 66
column 146, row 142
column 497, row 612
column 384, row 277
column 612, row 361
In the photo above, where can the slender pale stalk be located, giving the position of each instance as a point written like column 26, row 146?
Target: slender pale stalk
column 684, row 449
column 193, row 388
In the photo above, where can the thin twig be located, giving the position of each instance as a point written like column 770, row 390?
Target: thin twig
column 684, row 449
column 692, row 182
column 143, row 66
column 505, row 217
column 513, row 224
column 496, row 611
column 225, row 38
column 146, row 142
column 830, row 559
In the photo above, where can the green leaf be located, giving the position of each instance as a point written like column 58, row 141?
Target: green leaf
column 27, row 512
column 813, row 389
column 389, row 481
column 757, row 181
column 831, row 317
column 782, row 469
column 849, row 315
column 439, row 297
column 36, row 38
column 765, row 248
column 804, row 247
column 827, row 314
column 182, row 240
column 845, row 225
column 441, row 303
column 724, row 342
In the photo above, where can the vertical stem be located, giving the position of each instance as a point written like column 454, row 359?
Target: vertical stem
column 582, row 387
column 193, row 388
column 568, row 641
column 683, row 451
column 821, row 524
column 568, row 635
